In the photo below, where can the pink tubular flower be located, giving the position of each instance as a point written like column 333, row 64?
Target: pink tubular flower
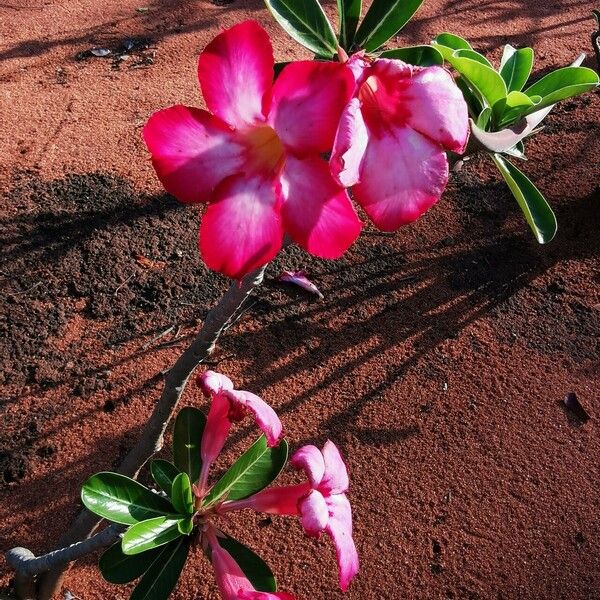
column 321, row 503
column 390, row 142
column 256, row 159
column 229, row 405
column 232, row 582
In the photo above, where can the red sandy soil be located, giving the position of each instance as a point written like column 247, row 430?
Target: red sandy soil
column 437, row 361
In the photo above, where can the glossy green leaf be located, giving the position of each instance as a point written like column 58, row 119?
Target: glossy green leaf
column 454, row 42
column 305, row 21
column 514, row 105
column 185, row 526
column 484, row 118
column 160, row 579
column 473, row 55
column 384, row 19
column 515, row 67
column 538, row 214
column 187, row 436
column 122, row 500
column 486, row 82
column 117, row 567
column 149, row 534
column 423, row 56
column 252, row 565
column 563, row 79
column 181, row 494
column 349, row 14
column 164, row 472
column 251, row 472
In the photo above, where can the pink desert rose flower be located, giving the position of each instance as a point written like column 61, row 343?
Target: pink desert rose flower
column 255, row 158
column 232, row 583
column 390, row 143
column 321, row 503
column 230, row 405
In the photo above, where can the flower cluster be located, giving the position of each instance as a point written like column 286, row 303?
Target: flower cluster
column 320, row 502
column 256, row 157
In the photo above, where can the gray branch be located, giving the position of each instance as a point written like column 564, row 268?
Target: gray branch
column 216, row 322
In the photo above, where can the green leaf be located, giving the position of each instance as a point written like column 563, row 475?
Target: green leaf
column 161, row 578
column 513, row 106
column 384, row 19
column 474, row 105
column 251, row 472
column 562, row 84
column 538, row 214
column 117, row 567
column 187, row 436
column 518, row 151
column 164, row 473
column 473, row 55
column 181, row 494
column 122, row 500
column 252, row 565
column 349, row 13
column 486, row 82
column 185, row 526
column 515, row 67
column 454, row 42
column 305, row 21
column 149, row 534
column 424, row 56
column 484, row 118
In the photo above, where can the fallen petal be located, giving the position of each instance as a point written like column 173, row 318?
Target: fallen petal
column 299, row 278
column 574, row 406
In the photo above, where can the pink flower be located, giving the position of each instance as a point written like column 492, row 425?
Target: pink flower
column 321, row 503
column 229, row 405
column 390, row 142
column 232, row 582
column 256, row 159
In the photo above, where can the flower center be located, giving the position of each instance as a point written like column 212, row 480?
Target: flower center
column 265, row 152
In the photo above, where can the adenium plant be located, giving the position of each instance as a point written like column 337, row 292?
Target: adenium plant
column 163, row 526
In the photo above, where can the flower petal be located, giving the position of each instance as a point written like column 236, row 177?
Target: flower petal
column 314, row 513
column 212, row 383
column 192, row 151
column 438, row 109
column 215, row 433
column 236, row 73
column 276, row 501
column 266, row 418
column 316, row 212
column 241, row 229
column 349, row 145
column 308, row 98
column 253, row 595
column 310, row 460
column 228, row 574
column 339, row 527
column 335, row 480
column 403, row 174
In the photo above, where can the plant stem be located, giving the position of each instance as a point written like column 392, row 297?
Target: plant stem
column 596, row 39
column 217, row 321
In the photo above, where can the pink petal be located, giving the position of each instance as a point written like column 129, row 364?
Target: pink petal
column 212, row 383
column 317, row 213
column 438, row 109
column 359, row 66
column 248, row 595
column 314, row 513
column 215, row 433
column 339, row 527
column 403, row 174
column 300, row 279
column 276, row 501
column 349, row 145
column 236, row 72
column 192, row 151
column 228, row 574
column 310, row 460
column 241, row 229
column 308, row 98
column 266, row 418
column 335, row 480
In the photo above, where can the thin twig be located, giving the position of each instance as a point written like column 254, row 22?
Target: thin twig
column 151, row 440
column 159, row 336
